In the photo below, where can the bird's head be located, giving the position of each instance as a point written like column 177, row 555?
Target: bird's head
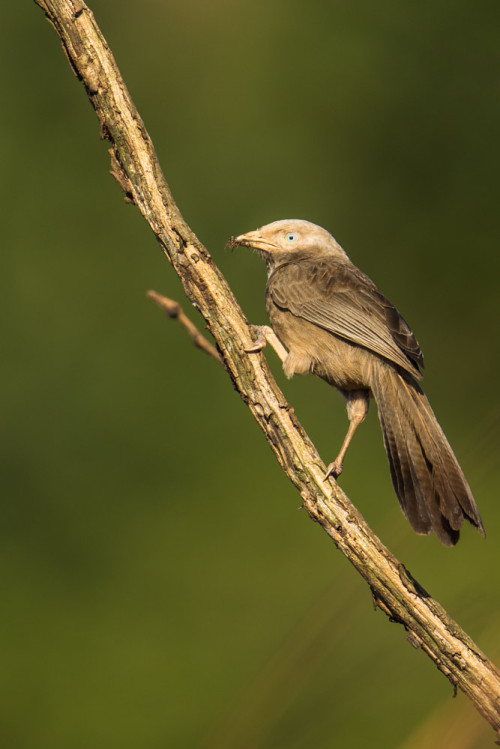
column 281, row 241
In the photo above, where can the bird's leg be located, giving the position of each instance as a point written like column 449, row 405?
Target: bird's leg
column 357, row 408
column 266, row 335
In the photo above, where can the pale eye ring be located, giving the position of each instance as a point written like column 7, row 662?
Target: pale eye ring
column 291, row 236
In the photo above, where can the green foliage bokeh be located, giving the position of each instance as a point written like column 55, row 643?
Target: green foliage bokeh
column 159, row 587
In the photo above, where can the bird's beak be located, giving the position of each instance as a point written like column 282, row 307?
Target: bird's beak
column 254, row 240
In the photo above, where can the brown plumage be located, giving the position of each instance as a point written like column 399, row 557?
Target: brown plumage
column 335, row 323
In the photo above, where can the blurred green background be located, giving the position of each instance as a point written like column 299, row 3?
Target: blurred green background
column 159, row 586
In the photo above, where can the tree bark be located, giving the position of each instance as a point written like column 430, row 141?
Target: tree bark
column 136, row 168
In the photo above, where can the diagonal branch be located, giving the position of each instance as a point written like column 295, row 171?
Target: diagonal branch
column 136, row 168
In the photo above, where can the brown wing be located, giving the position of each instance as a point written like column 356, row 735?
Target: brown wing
column 339, row 298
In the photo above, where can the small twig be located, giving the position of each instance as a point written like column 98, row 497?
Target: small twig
column 175, row 311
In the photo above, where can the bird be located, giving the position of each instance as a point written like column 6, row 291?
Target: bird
column 328, row 318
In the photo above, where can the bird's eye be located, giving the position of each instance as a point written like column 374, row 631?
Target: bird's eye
column 291, row 237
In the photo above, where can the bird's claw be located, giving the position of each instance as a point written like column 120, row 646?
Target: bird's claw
column 258, row 346
column 334, row 470
column 260, row 341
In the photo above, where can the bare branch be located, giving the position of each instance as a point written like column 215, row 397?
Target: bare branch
column 136, row 168
column 174, row 310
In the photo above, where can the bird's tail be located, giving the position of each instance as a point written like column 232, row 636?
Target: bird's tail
column 431, row 487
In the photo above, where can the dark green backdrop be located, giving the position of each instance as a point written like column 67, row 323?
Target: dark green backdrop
column 159, row 586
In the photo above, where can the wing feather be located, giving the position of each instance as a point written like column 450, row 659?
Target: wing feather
column 338, row 297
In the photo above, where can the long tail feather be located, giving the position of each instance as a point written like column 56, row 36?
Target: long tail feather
column 431, row 487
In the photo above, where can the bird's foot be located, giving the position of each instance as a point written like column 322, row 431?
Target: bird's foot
column 334, row 469
column 266, row 335
column 262, row 333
